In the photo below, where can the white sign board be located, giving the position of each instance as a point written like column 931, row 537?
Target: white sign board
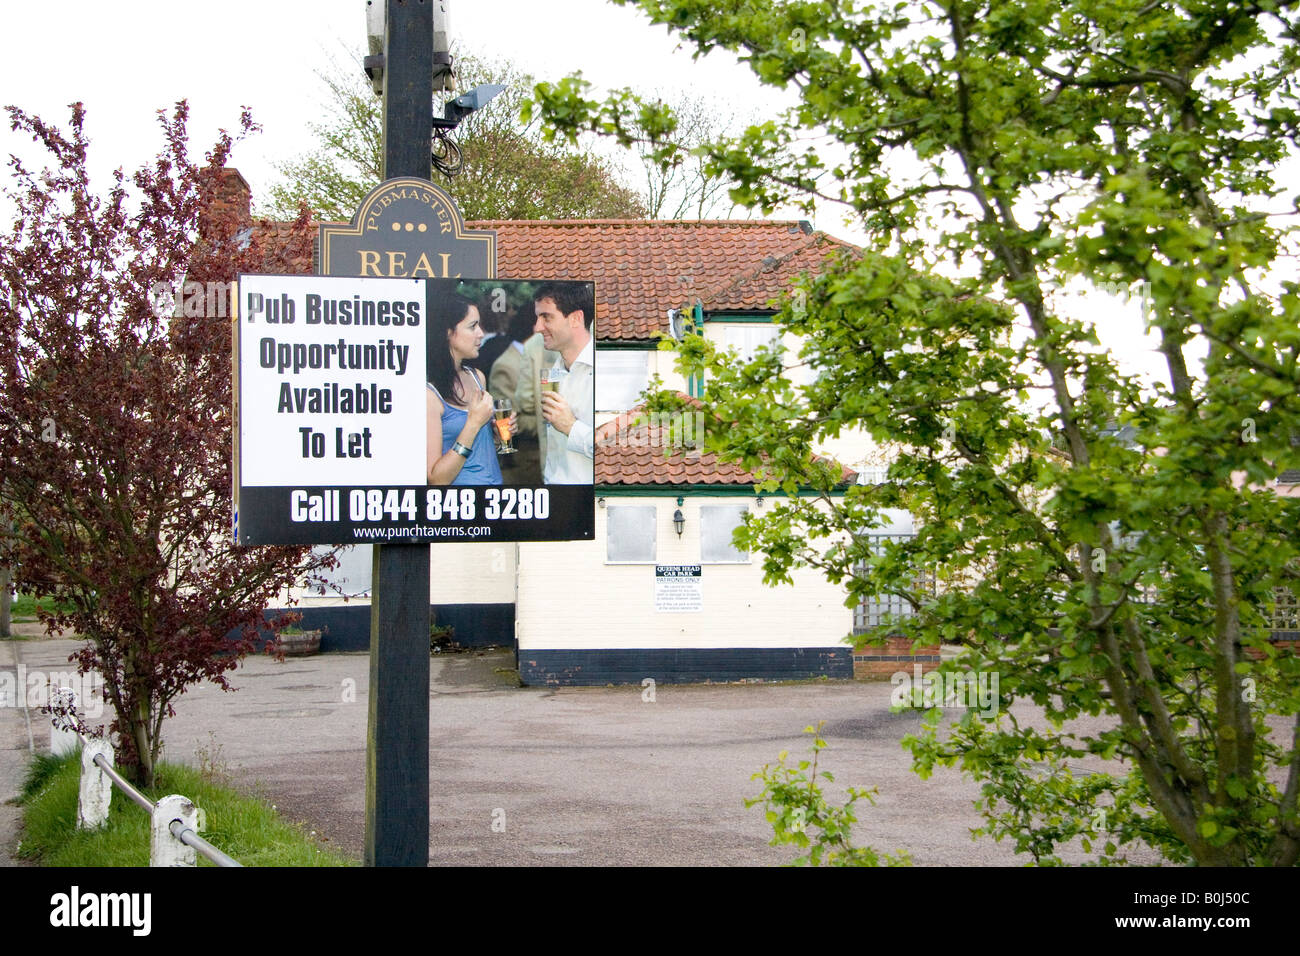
column 350, row 396
column 333, row 381
column 679, row 588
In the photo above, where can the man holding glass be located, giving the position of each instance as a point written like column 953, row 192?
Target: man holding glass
column 564, row 318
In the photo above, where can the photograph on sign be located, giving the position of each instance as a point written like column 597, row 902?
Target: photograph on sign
column 372, row 410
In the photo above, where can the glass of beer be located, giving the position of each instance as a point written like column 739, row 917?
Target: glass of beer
column 501, row 409
column 551, row 379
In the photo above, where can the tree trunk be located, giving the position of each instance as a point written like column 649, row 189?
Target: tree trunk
column 6, row 581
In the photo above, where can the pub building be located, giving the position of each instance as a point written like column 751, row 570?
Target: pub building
column 660, row 591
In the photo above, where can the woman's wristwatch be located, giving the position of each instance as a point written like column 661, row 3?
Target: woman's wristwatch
column 462, row 450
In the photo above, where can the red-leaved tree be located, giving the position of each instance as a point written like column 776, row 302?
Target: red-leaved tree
column 115, row 422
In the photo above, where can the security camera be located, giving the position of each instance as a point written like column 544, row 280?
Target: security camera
column 453, row 111
column 446, row 155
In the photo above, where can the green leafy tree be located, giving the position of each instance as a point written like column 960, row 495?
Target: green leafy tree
column 1108, row 545
column 509, row 170
column 797, row 809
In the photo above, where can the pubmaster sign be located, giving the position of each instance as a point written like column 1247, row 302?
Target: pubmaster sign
column 337, row 412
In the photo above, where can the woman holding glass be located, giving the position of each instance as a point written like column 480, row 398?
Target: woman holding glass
column 459, row 449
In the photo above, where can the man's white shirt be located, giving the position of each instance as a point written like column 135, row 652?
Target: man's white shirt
column 576, row 466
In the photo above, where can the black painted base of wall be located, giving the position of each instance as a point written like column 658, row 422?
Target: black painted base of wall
column 682, row 665
column 347, row 627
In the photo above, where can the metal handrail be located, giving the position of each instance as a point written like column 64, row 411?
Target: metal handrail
column 179, row 830
column 187, row 836
column 145, row 804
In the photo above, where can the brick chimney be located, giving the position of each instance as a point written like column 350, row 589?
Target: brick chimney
column 233, row 202
column 235, row 195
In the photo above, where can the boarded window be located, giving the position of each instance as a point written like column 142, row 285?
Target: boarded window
column 623, row 376
column 717, row 523
column 630, row 533
column 748, row 339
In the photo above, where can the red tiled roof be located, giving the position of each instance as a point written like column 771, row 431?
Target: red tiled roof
column 636, row 457
column 624, row 465
column 643, row 268
column 629, row 452
column 279, row 235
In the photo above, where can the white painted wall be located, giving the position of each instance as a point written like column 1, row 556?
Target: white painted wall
column 468, row 573
column 570, row 597
column 661, row 364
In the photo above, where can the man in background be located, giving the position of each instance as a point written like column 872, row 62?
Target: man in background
column 515, row 376
column 495, row 343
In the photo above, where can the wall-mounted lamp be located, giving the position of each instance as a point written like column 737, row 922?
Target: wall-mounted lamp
column 679, row 521
column 600, row 502
column 758, row 502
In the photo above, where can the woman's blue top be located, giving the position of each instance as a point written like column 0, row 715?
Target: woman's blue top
column 481, row 467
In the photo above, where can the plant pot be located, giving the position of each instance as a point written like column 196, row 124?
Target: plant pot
column 299, row 644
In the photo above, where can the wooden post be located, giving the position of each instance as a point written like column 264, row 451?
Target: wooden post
column 397, row 755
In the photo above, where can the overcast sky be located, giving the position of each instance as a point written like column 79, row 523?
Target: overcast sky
column 127, row 60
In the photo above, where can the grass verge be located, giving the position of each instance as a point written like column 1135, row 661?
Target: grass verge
column 247, row 829
column 24, row 607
